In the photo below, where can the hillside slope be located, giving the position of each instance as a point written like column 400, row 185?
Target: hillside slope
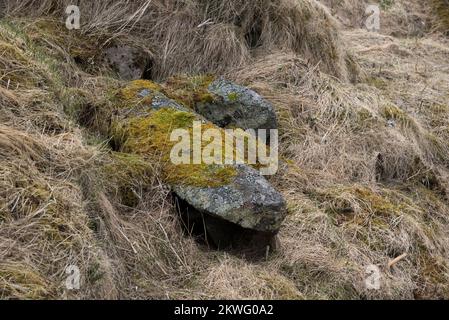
column 364, row 141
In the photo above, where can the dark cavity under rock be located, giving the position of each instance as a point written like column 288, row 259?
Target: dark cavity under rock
column 220, row 234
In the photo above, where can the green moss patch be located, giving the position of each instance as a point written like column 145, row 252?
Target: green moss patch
column 150, row 137
column 53, row 34
column 355, row 204
column 139, row 90
column 378, row 82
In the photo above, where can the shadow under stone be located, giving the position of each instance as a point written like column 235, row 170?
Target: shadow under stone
column 220, row 234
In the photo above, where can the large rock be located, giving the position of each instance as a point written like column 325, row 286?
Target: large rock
column 236, row 106
column 236, row 194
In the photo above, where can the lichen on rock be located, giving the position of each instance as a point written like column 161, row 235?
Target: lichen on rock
column 224, row 103
column 190, row 90
column 249, row 201
column 142, row 124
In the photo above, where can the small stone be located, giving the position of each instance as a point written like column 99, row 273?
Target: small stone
column 391, row 123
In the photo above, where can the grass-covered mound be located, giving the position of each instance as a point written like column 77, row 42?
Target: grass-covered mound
column 364, row 166
column 211, row 36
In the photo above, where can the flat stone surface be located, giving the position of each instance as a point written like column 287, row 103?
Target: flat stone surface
column 249, row 201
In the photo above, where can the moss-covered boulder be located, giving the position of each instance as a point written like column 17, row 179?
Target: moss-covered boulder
column 142, row 124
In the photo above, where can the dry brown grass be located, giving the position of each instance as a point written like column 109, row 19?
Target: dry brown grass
column 364, row 165
column 401, row 18
column 210, row 36
column 369, row 210
column 440, row 9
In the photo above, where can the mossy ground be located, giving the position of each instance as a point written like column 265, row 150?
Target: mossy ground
column 128, row 172
column 15, row 66
column 392, row 112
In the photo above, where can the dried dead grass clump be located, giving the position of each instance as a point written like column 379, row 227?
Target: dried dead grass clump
column 212, row 36
column 402, row 18
column 43, row 227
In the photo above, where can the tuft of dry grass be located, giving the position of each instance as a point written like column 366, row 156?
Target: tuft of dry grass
column 210, row 36
column 400, row 18
column 441, row 9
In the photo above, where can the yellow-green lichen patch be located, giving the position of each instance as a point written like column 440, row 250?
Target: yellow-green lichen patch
column 138, row 92
column 150, row 137
column 133, row 91
column 233, row 96
column 189, row 90
column 201, row 175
